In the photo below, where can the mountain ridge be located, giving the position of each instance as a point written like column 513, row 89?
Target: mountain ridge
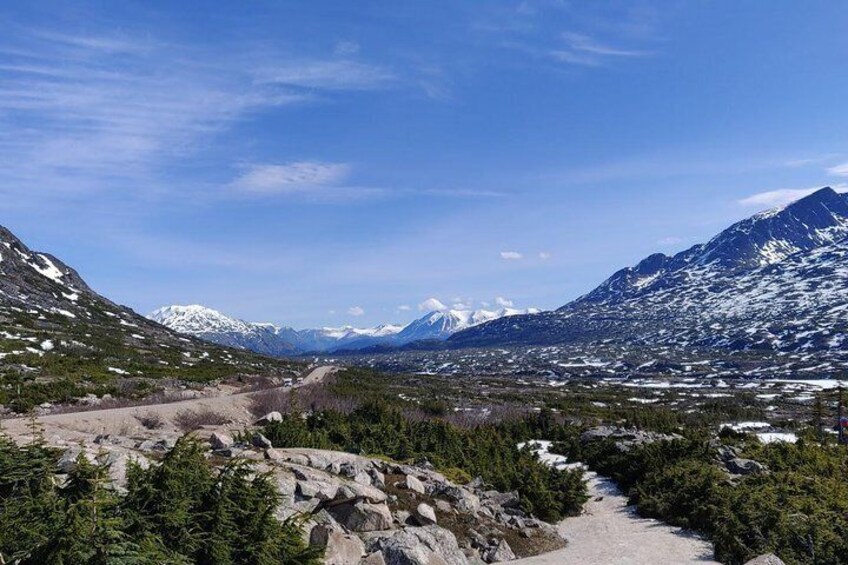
column 211, row 325
column 713, row 294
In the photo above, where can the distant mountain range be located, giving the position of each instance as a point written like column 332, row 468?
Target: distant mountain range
column 777, row 280
column 211, row 325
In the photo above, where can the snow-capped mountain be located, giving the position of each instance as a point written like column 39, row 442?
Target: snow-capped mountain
column 213, row 326
column 441, row 324
column 777, row 280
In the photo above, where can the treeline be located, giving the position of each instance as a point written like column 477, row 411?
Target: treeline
column 488, row 450
column 798, row 509
column 180, row 511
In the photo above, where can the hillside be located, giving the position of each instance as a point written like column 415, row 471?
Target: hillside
column 775, row 281
column 60, row 340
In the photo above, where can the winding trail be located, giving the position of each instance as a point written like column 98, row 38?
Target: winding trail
column 73, row 426
column 609, row 532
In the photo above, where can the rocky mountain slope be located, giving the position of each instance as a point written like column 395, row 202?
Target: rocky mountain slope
column 211, row 325
column 60, row 340
column 777, row 281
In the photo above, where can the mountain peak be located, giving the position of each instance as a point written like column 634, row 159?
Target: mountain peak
column 763, row 239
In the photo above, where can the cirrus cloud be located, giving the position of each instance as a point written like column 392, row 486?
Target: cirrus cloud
column 291, row 177
column 511, row 255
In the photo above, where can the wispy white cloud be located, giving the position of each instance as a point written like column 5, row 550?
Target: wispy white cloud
column 80, row 113
column 356, row 311
column 404, row 308
column 803, row 161
column 291, row 177
column 431, row 304
column 341, row 74
column 839, row 170
column 783, row 196
column 582, row 49
column 503, row 302
column 511, row 255
column 544, row 255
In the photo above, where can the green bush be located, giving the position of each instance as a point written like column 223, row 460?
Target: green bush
column 178, row 512
column 488, row 451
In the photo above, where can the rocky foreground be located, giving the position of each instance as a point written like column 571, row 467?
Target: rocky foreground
column 361, row 510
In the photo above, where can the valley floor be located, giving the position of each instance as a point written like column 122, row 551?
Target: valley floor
column 610, row 531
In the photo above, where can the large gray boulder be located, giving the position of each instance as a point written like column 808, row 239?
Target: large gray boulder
column 740, row 466
column 220, row 440
column 430, row 545
column 363, row 516
column 463, row 499
column 339, row 547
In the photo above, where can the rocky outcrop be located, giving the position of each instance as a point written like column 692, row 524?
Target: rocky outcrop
column 625, row 439
column 358, row 510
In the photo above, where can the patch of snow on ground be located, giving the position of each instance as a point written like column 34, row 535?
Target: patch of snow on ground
column 50, row 271
column 542, row 448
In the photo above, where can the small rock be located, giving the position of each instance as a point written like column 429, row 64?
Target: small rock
column 260, row 441
column 425, row 515
column 274, row 454
column 229, row 452
column 268, row 418
column 378, row 479
column 500, row 552
column 220, row 440
column 375, row 558
column 444, row 506
column 413, row 484
column 401, row 517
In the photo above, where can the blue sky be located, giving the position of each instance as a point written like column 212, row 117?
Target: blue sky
column 330, row 163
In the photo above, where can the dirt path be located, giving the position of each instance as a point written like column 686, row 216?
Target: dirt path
column 610, row 532
column 79, row 426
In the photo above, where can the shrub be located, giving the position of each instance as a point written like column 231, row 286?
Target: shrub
column 190, row 420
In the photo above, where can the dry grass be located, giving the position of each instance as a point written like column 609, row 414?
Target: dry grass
column 151, row 420
column 190, row 420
